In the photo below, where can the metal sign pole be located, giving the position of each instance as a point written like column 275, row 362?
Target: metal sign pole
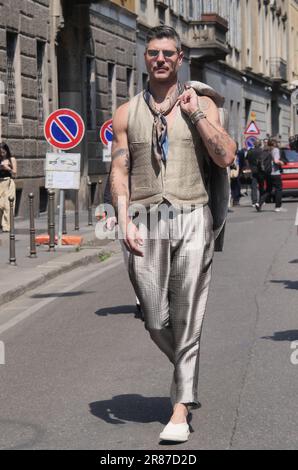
column 60, row 220
column 60, row 224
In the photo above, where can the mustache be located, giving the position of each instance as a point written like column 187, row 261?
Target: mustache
column 161, row 68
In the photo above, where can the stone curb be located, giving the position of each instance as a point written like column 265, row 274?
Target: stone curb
column 55, row 272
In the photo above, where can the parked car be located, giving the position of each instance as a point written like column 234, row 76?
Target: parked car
column 290, row 171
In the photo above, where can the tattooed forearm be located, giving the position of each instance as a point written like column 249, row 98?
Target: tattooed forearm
column 216, row 146
column 220, row 145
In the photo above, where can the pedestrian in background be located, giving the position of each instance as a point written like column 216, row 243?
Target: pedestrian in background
column 235, row 182
column 273, row 179
column 254, row 157
column 8, row 171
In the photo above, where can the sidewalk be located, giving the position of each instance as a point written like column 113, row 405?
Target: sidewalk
column 33, row 272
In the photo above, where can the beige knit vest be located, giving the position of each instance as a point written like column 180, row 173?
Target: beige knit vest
column 179, row 180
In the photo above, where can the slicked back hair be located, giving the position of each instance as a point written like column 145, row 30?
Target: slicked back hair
column 160, row 32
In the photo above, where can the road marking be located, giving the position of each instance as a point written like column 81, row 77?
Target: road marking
column 29, row 311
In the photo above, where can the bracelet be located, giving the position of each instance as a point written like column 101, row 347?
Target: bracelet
column 197, row 116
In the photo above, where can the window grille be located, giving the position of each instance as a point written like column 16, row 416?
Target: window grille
column 11, row 83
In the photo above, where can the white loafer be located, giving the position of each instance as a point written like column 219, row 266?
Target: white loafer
column 175, row 432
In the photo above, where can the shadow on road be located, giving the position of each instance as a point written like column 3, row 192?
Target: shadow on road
column 288, row 284
column 126, row 408
column 61, row 294
column 294, row 261
column 288, row 335
column 120, row 309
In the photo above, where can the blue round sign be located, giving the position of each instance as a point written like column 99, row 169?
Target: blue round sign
column 64, row 129
column 106, row 132
column 250, row 141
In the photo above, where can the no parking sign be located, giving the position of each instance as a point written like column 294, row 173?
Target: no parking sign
column 64, row 129
column 106, row 136
column 250, row 141
column 106, row 133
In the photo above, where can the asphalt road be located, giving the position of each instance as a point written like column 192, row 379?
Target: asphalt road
column 81, row 372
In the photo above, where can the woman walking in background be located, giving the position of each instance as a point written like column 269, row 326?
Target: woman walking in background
column 8, row 170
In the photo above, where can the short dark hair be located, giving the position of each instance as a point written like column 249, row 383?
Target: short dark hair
column 159, row 32
column 272, row 142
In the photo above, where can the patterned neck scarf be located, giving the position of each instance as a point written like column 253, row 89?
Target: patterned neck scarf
column 160, row 142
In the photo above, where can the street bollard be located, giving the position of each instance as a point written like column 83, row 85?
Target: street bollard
column 89, row 204
column 51, row 220
column 32, row 226
column 77, row 226
column 64, row 228
column 12, row 238
column 100, row 192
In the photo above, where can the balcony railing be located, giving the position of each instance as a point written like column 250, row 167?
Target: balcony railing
column 208, row 37
column 278, row 69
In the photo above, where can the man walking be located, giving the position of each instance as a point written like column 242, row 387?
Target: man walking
column 254, row 158
column 273, row 176
column 160, row 139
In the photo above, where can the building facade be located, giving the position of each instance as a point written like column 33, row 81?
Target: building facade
column 62, row 53
column 240, row 47
column 293, row 62
column 88, row 56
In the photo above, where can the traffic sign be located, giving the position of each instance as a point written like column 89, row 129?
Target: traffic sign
column 250, row 141
column 64, row 129
column 106, row 132
column 252, row 129
column 63, row 170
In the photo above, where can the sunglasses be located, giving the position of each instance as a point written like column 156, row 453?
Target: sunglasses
column 166, row 53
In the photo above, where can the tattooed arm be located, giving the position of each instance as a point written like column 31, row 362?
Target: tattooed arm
column 221, row 147
column 119, row 180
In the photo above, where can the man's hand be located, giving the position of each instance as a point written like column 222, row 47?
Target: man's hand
column 218, row 143
column 189, row 101
column 133, row 240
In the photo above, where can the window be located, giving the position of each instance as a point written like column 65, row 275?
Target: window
column 190, row 9
column 275, row 117
column 161, row 15
column 268, row 118
column 143, row 5
column 129, row 82
column 11, row 78
column 90, row 93
column 249, row 32
column 181, row 9
column 247, row 110
column 112, row 87
column 40, row 55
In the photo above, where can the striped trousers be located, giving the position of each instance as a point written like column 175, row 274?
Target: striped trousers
column 172, row 282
